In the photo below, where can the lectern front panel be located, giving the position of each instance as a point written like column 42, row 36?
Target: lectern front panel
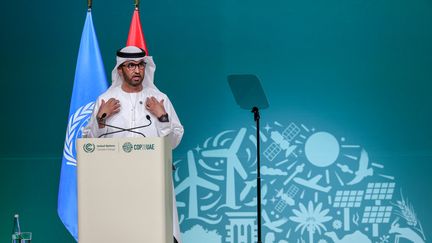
column 124, row 190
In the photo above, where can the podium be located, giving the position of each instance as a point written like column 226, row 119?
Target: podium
column 124, row 190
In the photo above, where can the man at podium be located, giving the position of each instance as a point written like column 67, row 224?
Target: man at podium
column 133, row 106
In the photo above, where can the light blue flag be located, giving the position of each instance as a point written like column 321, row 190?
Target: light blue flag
column 90, row 81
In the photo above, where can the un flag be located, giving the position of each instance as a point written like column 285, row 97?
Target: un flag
column 90, row 81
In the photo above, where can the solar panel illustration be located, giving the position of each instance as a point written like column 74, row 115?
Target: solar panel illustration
column 377, row 214
column 291, row 132
column 380, row 191
column 348, row 199
column 281, row 141
column 272, row 151
column 292, row 191
column 286, row 198
column 280, row 206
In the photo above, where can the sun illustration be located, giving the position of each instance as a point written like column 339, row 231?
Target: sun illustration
column 322, row 149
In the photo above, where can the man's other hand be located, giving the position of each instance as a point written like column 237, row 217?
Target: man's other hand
column 155, row 107
column 110, row 107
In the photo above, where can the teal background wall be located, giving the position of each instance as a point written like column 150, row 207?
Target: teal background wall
column 359, row 69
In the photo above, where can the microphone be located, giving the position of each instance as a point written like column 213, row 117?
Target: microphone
column 121, row 129
column 150, row 122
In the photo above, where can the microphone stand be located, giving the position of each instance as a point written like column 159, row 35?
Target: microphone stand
column 255, row 111
column 126, row 129
column 120, row 130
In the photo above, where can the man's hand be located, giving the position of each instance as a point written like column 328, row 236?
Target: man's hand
column 109, row 108
column 155, row 107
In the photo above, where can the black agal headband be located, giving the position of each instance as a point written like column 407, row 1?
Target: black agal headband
column 131, row 55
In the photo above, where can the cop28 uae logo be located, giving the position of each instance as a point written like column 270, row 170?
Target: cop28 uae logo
column 127, row 147
column 317, row 187
column 89, row 147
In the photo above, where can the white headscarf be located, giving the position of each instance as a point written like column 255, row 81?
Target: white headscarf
column 150, row 67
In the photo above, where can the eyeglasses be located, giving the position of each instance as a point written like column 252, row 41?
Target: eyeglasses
column 131, row 66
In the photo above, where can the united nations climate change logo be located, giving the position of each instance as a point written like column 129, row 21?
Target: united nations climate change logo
column 317, row 187
column 89, row 147
column 127, row 147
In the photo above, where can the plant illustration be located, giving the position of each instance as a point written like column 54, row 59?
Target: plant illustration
column 310, row 219
column 406, row 211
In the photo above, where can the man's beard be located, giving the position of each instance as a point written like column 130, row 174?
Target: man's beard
column 132, row 81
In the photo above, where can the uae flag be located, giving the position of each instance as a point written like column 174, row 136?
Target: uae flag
column 136, row 35
column 136, row 38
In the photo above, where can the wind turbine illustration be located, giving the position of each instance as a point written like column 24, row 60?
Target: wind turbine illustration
column 233, row 164
column 193, row 181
